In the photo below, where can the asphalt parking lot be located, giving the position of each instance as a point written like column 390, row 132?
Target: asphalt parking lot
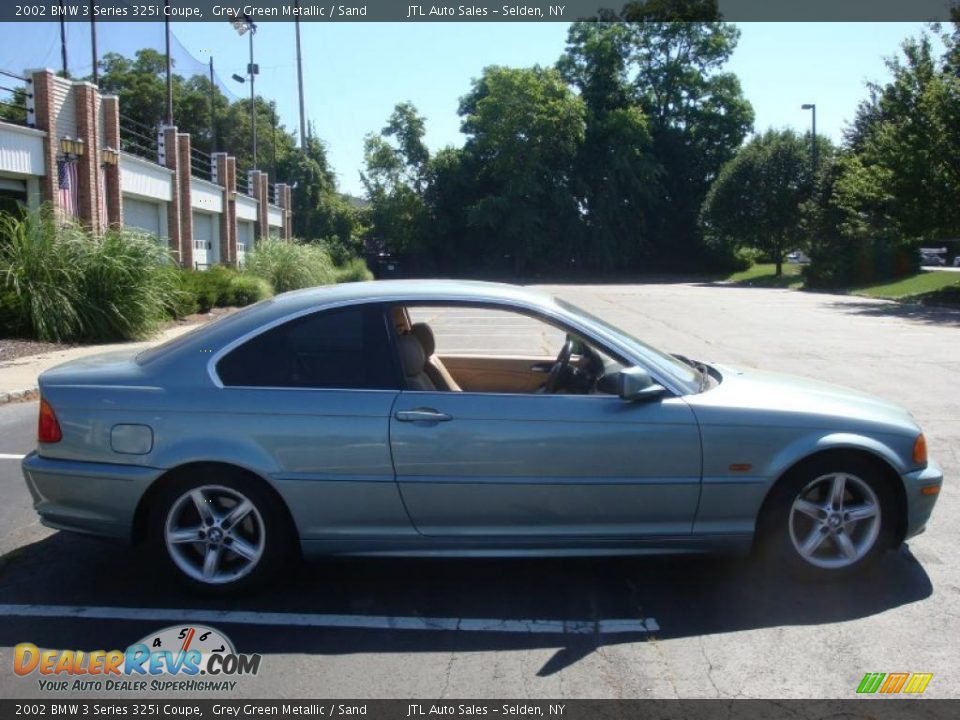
column 701, row 627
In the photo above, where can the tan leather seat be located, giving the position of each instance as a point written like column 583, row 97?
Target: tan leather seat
column 413, row 360
column 434, row 368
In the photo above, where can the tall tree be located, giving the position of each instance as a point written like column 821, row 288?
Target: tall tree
column 615, row 171
column 696, row 115
column 524, row 128
column 395, row 163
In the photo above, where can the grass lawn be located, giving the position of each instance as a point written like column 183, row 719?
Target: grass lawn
column 919, row 284
column 764, row 275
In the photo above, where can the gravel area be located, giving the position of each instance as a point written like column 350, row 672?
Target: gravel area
column 13, row 348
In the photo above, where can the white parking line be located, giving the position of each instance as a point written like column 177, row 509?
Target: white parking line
column 11, row 456
column 365, row 622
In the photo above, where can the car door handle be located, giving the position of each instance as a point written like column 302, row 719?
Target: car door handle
column 422, row 415
column 543, row 367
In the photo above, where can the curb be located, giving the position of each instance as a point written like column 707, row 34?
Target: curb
column 19, row 396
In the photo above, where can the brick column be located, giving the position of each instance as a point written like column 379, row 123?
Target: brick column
column 111, row 134
column 228, row 229
column 231, row 209
column 260, row 184
column 171, row 159
column 88, row 164
column 283, row 200
column 186, row 204
column 44, row 119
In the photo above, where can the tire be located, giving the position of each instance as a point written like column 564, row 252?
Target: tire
column 220, row 531
column 805, row 532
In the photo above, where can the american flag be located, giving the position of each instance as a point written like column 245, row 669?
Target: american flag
column 67, row 183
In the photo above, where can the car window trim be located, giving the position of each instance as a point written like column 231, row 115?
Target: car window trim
column 560, row 316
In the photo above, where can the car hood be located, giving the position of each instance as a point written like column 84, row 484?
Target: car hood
column 789, row 399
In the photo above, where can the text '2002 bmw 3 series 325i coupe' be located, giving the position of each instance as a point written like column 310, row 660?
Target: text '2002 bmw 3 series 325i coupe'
column 341, row 421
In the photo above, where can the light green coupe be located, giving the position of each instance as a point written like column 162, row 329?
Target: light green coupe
column 330, row 421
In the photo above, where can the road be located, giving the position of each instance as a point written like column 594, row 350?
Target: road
column 700, row 626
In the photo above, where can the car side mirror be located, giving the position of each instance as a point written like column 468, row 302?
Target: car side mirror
column 635, row 383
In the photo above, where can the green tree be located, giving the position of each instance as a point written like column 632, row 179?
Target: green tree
column 897, row 185
column 524, row 128
column 395, row 167
column 615, row 171
column 670, row 71
column 760, row 197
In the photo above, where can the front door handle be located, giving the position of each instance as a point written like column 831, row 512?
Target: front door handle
column 422, row 415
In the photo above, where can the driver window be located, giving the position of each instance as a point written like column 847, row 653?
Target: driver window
column 481, row 349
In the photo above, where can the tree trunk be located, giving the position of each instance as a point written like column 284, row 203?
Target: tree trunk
column 779, row 265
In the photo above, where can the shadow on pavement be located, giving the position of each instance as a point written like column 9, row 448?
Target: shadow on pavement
column 928, row 314
column 686, row 595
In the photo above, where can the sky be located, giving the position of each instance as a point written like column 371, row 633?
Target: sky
column 354, row 73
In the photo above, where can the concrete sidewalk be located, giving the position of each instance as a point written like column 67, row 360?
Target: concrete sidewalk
column 18, row 377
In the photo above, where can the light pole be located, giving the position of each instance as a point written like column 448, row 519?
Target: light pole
column 244, row 26
column 813, row 137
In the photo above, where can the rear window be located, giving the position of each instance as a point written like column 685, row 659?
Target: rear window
column 336, row 349
column 157, row 352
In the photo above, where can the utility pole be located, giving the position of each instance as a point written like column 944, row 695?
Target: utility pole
column 213, row 112
column 166, row 24
column 813, row 137
column 93, row 42
column 63, row 41
column 303, row 123
column 252, row 70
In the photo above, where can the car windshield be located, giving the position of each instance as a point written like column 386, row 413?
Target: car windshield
column 678, row 371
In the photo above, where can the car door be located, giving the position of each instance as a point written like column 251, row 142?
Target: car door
column 534, row 465
column 310, row 398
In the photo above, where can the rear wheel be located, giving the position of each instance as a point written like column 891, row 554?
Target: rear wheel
column 830, row 518
column 219, row 534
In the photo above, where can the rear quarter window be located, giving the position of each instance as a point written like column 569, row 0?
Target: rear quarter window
column 335, row 349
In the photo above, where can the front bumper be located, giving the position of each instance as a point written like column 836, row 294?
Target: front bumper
column 91, row 498
column 919, row 505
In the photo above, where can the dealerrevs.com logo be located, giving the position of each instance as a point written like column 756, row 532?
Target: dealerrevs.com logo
column 180, row 658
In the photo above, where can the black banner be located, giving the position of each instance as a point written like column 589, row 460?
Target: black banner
column 419, row 709
column 476, row 11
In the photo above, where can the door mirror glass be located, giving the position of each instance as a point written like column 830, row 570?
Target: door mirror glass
column 635, row 383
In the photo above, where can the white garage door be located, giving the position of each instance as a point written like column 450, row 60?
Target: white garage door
column 205, row 251
column 142, row 214
column 244, row 239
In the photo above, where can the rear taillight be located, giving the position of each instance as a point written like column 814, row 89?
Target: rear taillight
column 48, row 429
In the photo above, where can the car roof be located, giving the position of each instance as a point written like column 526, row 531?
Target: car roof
column 413, row 290
column 298, row 302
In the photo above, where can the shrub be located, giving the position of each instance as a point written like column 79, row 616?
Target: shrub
column 39, row 274
column 58, row 283
column 126, row 283
column 248, row 289
column 221, row 286
column 290, row 265
column 354, row 270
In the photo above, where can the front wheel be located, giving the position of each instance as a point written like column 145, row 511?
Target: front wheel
column 830, row 519
column 219, row 534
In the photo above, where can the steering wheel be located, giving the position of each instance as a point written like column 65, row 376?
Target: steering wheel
column 559, row 367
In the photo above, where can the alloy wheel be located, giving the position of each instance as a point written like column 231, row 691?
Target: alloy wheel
column 214, row 534
column 835, row 520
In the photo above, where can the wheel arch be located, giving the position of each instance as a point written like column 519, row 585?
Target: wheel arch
column 142, row 513
column 839, row 453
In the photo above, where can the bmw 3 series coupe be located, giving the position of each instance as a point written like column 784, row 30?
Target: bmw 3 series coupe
column 443, row 418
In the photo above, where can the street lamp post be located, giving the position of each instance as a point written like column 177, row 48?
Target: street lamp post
column 813, row 136
column 244, row 26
